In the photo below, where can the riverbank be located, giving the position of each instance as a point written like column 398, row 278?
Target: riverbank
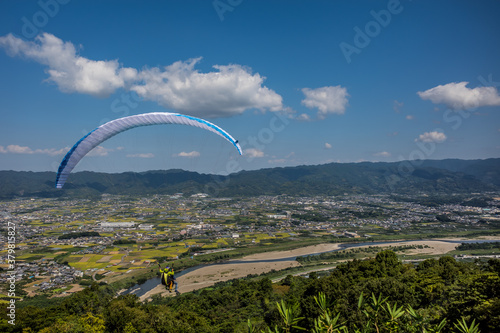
column 237, row 268
column 278, row 260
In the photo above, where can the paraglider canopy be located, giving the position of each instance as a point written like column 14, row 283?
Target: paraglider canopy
column 112, row 128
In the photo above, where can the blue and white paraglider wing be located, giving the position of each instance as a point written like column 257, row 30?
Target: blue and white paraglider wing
column 112, row 128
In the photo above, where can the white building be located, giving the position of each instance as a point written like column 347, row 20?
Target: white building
column 277, row 216
column 146, row 226
column 117, row 225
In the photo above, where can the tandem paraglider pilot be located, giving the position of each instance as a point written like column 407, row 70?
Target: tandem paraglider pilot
column 168, row 278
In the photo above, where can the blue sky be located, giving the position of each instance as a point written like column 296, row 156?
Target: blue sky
column 296, row 82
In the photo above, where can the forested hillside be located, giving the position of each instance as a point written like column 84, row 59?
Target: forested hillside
column 375, row 295
column 430, row 176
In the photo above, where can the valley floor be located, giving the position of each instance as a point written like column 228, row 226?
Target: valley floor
column 278, row 260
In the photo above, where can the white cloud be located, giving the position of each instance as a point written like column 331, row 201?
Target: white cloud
column 16, row 149
column 69, row 71
column 431, row 137
column 303, row 117
column 457, row 96
column 327, row 100
column 382, row 154
column 189, row 155
column 253, row 153
column 410, row 117
column 228, row 91
column 145, row 155
column 52, row 151
column 327, row 145
column 277, row 161
column 99, row 151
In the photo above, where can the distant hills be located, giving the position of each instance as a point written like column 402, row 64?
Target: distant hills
column 428, row 176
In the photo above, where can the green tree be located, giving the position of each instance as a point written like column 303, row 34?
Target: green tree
column 289, row 316
column 92, row 324
column 327, row 321
column 462, row 326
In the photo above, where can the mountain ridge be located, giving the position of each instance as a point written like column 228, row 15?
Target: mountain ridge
column 442, row 176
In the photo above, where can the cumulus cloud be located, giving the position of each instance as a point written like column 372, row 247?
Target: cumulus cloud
column 457, row 96
column 226, row 91
column 189, row 155
column 229, row 90
column 145, row 155
column 52, row 151
column 303, row 117
column 253, row 153
column 382, row 154
column 277, row 161
column 69, row 71
column 328, row 100
column 431, row 137
column 287, row 159
column 16, row 149
column 327, row 145
column 100, row 151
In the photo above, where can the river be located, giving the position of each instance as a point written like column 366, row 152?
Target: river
column 282, row 257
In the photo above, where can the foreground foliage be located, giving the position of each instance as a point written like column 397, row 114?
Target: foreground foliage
column 375, row 295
